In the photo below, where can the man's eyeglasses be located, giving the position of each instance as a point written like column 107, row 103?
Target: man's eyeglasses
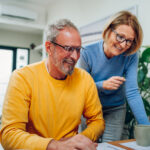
column 68, row 48
column 121, row 39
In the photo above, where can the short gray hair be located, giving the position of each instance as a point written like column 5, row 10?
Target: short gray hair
column 53, row 30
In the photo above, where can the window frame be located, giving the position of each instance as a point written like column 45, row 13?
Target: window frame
column 14, row 49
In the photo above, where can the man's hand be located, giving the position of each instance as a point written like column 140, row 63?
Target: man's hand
column 77, row 142
column 113, row 83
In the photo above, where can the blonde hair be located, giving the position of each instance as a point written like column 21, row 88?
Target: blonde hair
column 125, row 18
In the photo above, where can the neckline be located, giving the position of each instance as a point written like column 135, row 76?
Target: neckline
column 104, row 55
column 50, row 77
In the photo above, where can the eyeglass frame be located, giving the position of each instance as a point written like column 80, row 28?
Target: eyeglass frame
column 68, row 48
column 124, row 39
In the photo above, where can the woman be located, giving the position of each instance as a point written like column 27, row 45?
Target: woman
column 112, row 63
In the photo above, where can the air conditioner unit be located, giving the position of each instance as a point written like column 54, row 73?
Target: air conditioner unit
column 17, row 12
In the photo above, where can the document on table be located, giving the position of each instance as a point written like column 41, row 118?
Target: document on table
column 106, row 146
column 135, row 146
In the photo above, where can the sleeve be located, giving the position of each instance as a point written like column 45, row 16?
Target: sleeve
column 15, row 117
column 93, row 113
column 132, row 93
column 99, row 85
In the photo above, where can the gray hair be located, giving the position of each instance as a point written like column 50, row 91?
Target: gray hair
column 54, row 29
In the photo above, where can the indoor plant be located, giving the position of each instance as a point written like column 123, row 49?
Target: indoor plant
column 144, row 88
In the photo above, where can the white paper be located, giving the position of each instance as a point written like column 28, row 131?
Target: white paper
column 135, row 146
column 106, row 146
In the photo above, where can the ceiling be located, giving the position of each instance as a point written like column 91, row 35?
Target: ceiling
column 10, row 25
column 39, row 1
column 43, row 2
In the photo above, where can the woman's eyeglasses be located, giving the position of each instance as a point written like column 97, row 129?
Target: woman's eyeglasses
column 121, row 39
column 68, row 48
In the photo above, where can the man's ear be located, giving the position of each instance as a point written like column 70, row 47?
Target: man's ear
column 48, row 47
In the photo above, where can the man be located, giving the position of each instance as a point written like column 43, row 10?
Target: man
column 45, row 101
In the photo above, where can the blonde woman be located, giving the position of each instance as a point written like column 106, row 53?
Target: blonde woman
column 112, row 63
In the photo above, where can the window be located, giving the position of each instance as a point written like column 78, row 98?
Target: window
column 10, row 58
column 92, row 32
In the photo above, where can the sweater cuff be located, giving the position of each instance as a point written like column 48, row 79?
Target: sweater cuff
column 99, row 85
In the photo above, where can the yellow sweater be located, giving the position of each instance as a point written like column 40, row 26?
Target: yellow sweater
column 38, row 108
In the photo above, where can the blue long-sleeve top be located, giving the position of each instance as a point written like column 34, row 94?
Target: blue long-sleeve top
column 94, row 61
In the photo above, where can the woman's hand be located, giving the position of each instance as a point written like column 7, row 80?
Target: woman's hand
column 113, row 83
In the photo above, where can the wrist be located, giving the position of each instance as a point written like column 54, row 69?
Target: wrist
column 103, row 84
column 52, row 145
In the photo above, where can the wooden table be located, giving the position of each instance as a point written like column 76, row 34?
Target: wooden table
column 118, row 143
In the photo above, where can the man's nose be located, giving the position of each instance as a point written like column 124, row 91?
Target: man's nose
column 75, row 55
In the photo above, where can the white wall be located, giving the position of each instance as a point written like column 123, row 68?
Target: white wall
column 70, row 9
column 35, row 7
column 28, row 32
column 20, row 39
column 83, row 12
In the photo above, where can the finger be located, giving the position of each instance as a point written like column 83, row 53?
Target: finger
column 119, row 78
column 95, row 144
column 86, row 144
column 64, row 139
column 89, row 147
column 117, row 82
column 114, row 86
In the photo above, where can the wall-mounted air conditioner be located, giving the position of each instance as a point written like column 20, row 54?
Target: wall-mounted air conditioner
column 17, row 12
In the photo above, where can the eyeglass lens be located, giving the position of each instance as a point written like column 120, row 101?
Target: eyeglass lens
column 68, row 48
column 121, row 39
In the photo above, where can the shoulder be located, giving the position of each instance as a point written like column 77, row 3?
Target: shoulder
column 127, row 59
column 83, row 79
column 82, row 75
column 91, row 51
column 131, row 62
column 131, row 58
column 94, row 47
column 29, row 71
column 31, row 67
column 135, row 56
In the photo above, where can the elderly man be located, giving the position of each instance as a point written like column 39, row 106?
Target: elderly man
column 44, row 101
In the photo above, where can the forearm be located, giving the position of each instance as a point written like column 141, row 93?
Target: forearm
column 93, row 114
column 94, row 130
column 133, row 96
column 137, row 107
column 136, row 103
column 15, row 138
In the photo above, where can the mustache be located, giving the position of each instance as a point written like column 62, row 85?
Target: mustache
column 69, row 61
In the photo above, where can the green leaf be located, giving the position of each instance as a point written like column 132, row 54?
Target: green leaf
column 129, row 118
column 146, row 83
column 141, row 75
column 140, row 60
column 144, row 86
column 147, row 106
column 146, row 55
